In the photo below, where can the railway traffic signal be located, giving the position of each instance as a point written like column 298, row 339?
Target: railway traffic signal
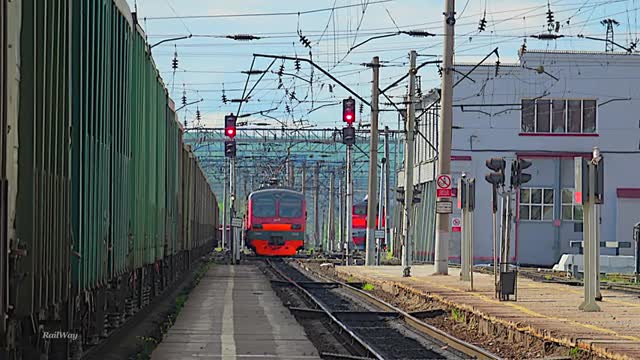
column 467, row 194
column 517, row 176
column 349, row 110
column 230, row 148
column 497, row 165
column 582, row 183
column 230, row 125
column 349, row 135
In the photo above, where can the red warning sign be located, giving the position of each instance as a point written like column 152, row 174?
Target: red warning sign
column 444, row 186
column 456, row 225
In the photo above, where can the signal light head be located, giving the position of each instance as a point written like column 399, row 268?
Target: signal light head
column 496, row 164
column 349, row 110
column 230, row 125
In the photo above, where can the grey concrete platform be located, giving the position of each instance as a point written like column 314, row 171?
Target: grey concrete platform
column 234, row 314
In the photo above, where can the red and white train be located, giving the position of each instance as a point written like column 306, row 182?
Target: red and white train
column 276, row 222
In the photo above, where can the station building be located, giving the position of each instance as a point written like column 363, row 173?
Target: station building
column 547, row 108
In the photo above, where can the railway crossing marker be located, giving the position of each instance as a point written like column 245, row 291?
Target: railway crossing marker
column 444, row 186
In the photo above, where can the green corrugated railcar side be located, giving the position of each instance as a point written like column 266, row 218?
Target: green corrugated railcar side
column 101, row 150
column 43, row 183
column 172, row 172
column 149, row 150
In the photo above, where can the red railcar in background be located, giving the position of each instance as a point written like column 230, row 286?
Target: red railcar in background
column 359, row 224
column 276, row 222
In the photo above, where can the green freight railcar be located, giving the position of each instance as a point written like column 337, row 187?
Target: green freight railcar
column 41, row 179
column 102, row 205
column 102, row 153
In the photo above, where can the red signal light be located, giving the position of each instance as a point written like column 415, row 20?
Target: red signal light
column 349, row 110
column 230, row 125
column 577, row 197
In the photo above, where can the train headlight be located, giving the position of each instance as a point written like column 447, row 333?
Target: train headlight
column 257, row 226
column 296, row 227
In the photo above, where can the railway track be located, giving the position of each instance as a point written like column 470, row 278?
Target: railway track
column 374, row 328
column 535, row 275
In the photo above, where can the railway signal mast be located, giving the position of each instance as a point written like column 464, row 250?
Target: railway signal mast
column 230, row 152
column 589, row 192
column 505, row 283
column 349, row 139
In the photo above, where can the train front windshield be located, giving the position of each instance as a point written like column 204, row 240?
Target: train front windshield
column 264, row 205
column 290, row 207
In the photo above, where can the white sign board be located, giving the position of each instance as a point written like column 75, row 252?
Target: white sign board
column 379, row 234
column 444, row 207
column 236, row 222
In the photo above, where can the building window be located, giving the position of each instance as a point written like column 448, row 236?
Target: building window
column 570, row 210
column 559, row 116
column 536, row 204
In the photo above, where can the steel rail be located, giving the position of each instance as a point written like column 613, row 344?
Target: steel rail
column 327, row 312
column 417, row 324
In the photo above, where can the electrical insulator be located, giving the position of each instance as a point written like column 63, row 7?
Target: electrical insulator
column 198, row 115
column 550, row 19
column 483, row 24
column 184, row 98
column 297, row 65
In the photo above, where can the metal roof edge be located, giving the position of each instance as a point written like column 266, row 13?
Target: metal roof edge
column 579, row 52
column 125, row 10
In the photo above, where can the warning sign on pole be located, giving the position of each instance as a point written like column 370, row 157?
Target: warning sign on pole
column 456, row 225
column 443, row 183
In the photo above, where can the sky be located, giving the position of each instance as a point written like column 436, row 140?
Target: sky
column 209, row 63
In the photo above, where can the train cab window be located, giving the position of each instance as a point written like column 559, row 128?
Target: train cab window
column 264, row 206
column 290, row 207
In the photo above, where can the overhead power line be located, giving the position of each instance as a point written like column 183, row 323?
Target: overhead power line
column 284, row 13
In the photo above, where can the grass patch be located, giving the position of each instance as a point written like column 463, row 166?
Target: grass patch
column 368, row 287
column 575, row 353
column 548, row 277
column 458, row 315
column 615, row 278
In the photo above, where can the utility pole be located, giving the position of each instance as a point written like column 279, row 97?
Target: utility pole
column 304, row 178
column 387, row 174
column 331, row 219
column 373, row 166
column 380, row 211
column 316, row 205
column 407, row 247
column 225, row 244
column 292, row 174
column 443, row 234
column 340, row 213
